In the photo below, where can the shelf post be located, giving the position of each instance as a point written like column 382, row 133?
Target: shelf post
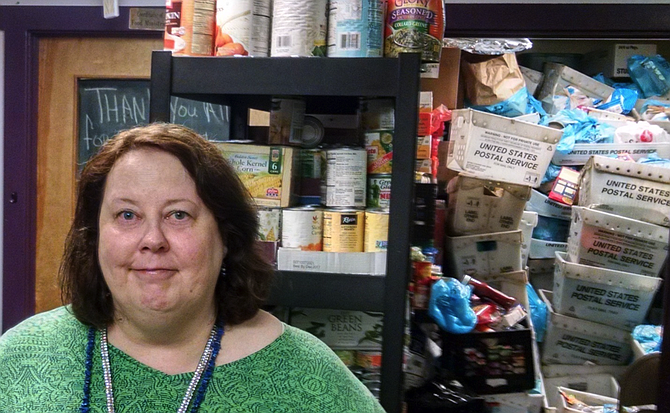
column 161, row 86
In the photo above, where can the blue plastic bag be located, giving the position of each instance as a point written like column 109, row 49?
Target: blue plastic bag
column 655, row 160
column 515, row 105
column 538, row 313
column 578, row 127
column 650, row 73
column 449, row 306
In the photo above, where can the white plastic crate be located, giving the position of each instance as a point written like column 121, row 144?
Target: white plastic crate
column 480, row 206
column 493, row 253
column 616, row 298
column 601, row 239
column 528, row 222
column 541, row 273
column 570, row 340
column 630, row 189
column 581, row 152
column 533, row 79
column 546, row 207
column 599, row 384
column 540, row 249
column 558, row 76
column 587, row 398
column 490, row 146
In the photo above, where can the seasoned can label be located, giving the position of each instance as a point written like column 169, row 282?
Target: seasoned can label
column 376, row 114
column 414, row 26
column 343, row 230
column 345, row 173
column 376, row 230
column 299, row 28
column 302, row 228
column 269, row 220
column 287, row 117
column 189, row 27
column 379, row 145
column 242, row 28
column 355, row 28
column 379, row 191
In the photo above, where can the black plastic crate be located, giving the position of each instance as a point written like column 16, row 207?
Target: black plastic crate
column 491, row 363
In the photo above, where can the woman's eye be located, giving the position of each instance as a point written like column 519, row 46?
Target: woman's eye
column 179, row 215
column 127, row 215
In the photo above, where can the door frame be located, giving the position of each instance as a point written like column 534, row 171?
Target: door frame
column 23, row 27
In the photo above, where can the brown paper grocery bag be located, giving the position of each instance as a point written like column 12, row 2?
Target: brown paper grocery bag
column 490, row 79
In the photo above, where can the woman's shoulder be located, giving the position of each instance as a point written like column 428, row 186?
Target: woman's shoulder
column 49, row 330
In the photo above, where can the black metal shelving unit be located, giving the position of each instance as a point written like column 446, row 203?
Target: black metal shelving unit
column 329, row 85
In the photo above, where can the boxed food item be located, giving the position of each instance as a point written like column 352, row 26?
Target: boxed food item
column 268, row 172
column 490, row 146
column 294, row 259
column 601, row 239
column 570, row 340
column 616, row 298
column 341, row 329
column 492, row 253
column 478, row 206
column 495, row 362
column 631, row 189
column 546, row 207
column 557, row 77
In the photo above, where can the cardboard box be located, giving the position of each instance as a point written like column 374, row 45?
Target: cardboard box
column 540, row 249
column 268, row 172
column 293, row 259
column 526, row 225
column 581, row 152
column 612, row 62
column 570, row 340
column 600, row 384
column 483, row 254
column 601, row 239
column 590, row 399
column 546, row 207
column 490, row 146
column 341, row 329
column 616, row 298
column 423, row 147
column 445, row 87
column 630, row 189
column 480, row 206
column 557, row 77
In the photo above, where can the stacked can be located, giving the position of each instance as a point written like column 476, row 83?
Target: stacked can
column 355, row 28
column 302, row 228
column 310, row 166
column 242, row 28
column 299, row 28
column 377, row 121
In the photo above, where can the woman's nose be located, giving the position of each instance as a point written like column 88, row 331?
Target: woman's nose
column 154, row 238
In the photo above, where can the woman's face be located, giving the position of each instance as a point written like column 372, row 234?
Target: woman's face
column 160, row 249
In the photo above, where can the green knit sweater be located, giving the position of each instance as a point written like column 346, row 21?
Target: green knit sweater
column 42, row 370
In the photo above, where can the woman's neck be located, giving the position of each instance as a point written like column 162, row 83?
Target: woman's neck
column 171, row 344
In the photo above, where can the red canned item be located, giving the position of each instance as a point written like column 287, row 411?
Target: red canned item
column 414, row 26
column 189, row 27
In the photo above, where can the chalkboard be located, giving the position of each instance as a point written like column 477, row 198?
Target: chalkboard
column 107, row 106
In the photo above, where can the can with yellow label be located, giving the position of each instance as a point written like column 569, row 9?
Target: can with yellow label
column 376, row 230
column 343, row 230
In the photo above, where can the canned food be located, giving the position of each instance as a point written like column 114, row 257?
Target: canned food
column 355, row 28
column 369, row 360
column 376, row 230
column 379, row 191
column 344, row 181
column 379, row 146
column 310, row 163
column 299, row 28
column 269, row 220
column 414, row 27
column 242, row 28
column 343, row 230
column 303, row 228
column 312, row 132
column 287, row 117
column 376, row 114
column 189, row 27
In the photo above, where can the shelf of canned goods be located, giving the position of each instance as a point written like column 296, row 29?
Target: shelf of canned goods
column 328, row 85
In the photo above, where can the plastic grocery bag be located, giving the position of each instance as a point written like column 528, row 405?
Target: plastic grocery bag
column 449, row 306
column 538, row 313
column 578, row 127
column 650, row 73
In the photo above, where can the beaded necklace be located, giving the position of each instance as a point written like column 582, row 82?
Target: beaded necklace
column 199, row 382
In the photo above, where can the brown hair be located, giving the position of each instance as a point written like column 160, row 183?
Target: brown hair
column 239, row 294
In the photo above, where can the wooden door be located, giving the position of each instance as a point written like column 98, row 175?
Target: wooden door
column 62, row 61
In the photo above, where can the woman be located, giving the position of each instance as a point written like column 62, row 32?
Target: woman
column 165, row 285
